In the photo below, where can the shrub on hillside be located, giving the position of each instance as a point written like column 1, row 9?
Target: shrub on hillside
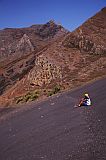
column 55, row 90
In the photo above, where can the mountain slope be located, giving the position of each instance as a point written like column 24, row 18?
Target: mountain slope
column 19, row 48
column 91, row 36
column 55, row 130
column 68, row 61
column 25, row 40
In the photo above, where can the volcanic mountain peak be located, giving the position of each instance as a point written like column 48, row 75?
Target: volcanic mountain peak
column 46, row 55
column 49, row 23
column 28, row 39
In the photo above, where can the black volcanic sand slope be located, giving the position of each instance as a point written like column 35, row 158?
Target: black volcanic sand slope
column 55, row 130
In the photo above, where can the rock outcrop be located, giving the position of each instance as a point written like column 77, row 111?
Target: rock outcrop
column 44, row 72
column 90, row 37
column 84, row 44
column 26, row 40
column 24, row 45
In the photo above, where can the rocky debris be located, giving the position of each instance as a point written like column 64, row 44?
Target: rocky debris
column 44, row 72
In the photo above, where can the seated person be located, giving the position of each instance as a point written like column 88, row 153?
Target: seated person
column 85, row 101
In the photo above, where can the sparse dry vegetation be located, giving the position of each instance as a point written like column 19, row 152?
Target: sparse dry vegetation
column 30, row 96
column 53, row 91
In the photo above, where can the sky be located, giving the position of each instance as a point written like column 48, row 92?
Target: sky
column 69, row 13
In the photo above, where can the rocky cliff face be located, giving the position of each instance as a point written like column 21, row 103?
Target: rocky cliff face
column 26, row 40
column 25, row 45
column 84, row 44
column 90, row 37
